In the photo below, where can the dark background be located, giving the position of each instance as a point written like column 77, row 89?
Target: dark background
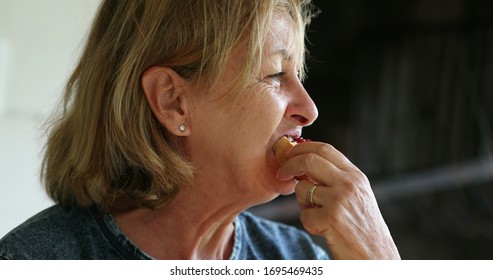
column 405, row 91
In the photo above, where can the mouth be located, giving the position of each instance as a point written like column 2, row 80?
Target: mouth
column 281, row 148
column 287, row 140
column 296, row 139
column 283, row 144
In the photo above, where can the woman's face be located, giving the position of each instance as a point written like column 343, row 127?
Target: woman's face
column 231, row 142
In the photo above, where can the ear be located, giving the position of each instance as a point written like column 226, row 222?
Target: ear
column 165, row 93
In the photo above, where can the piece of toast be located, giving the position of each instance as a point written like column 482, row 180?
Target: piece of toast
column 282, row 146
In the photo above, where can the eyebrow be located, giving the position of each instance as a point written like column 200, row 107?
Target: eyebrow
column 284, row 54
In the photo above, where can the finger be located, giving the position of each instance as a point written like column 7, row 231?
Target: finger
column 306, row 189
column 319, row 169
column 316, row 221
column 324, row 150
column 301, row 191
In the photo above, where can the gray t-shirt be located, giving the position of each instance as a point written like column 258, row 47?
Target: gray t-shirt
column 68, row 234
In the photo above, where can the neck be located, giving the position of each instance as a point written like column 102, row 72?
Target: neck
column 195, row 225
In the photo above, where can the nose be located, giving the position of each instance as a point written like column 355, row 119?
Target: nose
column 301, row 107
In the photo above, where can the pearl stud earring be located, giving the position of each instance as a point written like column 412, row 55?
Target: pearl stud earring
column 182, row 128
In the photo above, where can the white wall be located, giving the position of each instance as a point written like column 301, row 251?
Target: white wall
column 39, row 44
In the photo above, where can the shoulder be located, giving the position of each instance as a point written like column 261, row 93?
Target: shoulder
column 265, row 239
column 54, row 233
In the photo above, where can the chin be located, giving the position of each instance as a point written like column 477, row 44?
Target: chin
column 273, row 188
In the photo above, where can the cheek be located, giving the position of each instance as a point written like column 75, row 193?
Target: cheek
column 251, row 123
column 259, row 125
column 263, row 123
column 266, row 108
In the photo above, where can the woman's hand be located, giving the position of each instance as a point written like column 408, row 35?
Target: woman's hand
column 344, row 210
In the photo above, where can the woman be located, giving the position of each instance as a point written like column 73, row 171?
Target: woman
column 166, row 136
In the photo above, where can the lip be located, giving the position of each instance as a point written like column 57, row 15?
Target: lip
column 293, row 134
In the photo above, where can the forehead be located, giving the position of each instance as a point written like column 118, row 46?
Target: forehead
column 280, row 39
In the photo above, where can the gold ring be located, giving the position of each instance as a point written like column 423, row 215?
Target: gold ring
column 309, row 197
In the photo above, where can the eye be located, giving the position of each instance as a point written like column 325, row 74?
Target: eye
column 277, row 77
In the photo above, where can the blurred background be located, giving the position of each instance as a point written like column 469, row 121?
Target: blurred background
column 39, row 44
column 404, row 89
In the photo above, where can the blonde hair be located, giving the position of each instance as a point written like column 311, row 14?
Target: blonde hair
column 106, row 142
